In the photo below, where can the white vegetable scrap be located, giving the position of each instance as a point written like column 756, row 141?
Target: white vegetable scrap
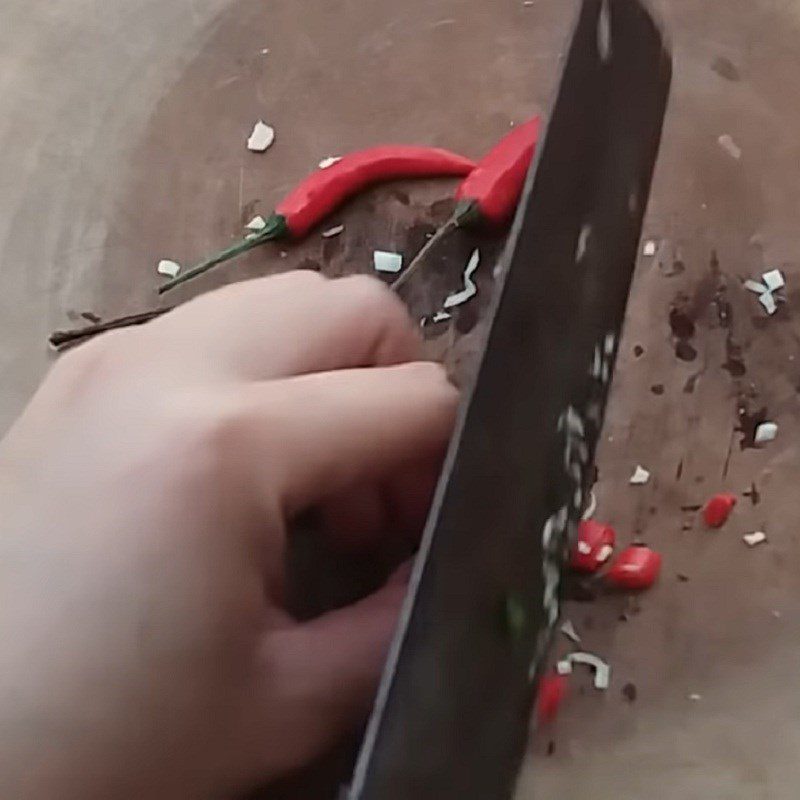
column 168, row 268
column 771, row 282
column 604, row 553
column 329, row 161
column 331, row 232
column 640, row 476
column 441, row 316
column 568, row 629
column 695, row 697
column 768, row 301
column 649, row 248
column 591, row 508
column 774, row 280
column 755, row 286
column 261, row 137
column 602, row 672
column 387, row 262
column 765, row 432
column 729, row 146
column 755, row 538
column 470, row 289
column 256, row 224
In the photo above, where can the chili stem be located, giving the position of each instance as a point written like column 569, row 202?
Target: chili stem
column 445, row 230
column 273, row 231
column 62, row 340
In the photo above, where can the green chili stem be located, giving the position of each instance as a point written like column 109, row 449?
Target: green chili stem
column 275, row 229
column 466, row 213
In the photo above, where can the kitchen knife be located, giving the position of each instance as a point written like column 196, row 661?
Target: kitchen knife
column 451, row 715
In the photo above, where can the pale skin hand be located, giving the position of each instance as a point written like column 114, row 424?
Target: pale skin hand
column 144, row 501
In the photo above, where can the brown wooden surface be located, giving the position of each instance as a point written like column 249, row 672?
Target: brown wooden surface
column 122, row 142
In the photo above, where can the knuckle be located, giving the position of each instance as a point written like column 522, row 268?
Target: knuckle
column 369, row 297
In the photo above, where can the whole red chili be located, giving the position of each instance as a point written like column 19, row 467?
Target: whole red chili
column 552, row 691
column 718, row 509
column 635, row 568
column 594, row 546
column 326, row 189
column 490, row 193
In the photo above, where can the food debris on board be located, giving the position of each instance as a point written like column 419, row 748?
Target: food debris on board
column 637, row 567
column 765, row 432
column 331, row 232
column 258, row 223
column 768, row 301
column 384, row 261
column 770, row 283
column 650, row 247
column 695, row 697
column 774, row 280
column 640, row 476
column 594, row 546
column 718, row 509
column 441, row 316
column 629, row 692
column 552, row 691
column 329, row 161
column 729, row 146
column 755, row 286
column 470, row 289
column 568, row 629
column 592, row 507
column 168, row 268
column 261, row 137
column 755, row 538
column 602, row 672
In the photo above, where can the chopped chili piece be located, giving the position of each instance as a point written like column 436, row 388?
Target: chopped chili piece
column 552, row 691
column 594, row 546
column 718, row 509
column 637, row 567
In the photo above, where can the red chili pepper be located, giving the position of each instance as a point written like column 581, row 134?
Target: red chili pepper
column 490, row 193
column 552, row 691
column 718, row 509
column 635, row 568
column 594, row 546
column 326, row 189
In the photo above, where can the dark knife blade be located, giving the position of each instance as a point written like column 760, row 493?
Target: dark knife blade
column 451, row 716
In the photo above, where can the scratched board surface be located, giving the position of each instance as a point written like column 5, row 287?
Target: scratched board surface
column 451, row 715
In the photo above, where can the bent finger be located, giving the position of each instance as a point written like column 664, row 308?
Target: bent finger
column 327, row 671
column 311, row 437
column 290, row 324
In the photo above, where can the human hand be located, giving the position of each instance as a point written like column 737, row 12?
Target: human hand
column 144, row 500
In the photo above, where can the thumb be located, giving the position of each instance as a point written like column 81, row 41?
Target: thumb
column 321, row 676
